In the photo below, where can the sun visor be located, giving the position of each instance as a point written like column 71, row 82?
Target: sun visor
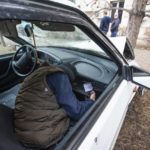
column 8, row 28
column 52, row 26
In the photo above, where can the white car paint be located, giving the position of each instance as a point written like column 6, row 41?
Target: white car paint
column 142, row 80
column 104, row 133
column 119, row 42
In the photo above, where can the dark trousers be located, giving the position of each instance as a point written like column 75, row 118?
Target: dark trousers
column 113, row 34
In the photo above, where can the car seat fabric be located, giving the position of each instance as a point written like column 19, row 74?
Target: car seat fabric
column 8, row 97
column 38, row 119
column 8, row 141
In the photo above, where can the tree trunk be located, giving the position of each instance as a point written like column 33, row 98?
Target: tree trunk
column 136, row 16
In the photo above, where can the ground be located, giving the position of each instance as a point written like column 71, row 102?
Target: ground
column 135, row 132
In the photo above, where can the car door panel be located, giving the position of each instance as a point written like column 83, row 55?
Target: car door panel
column 7, row 77
column 4, row 64
column 103, row 134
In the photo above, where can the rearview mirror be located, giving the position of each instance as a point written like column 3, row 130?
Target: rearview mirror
column 28, row 30
column 140, row 77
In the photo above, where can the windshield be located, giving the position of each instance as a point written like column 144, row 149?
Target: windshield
column 59, row 35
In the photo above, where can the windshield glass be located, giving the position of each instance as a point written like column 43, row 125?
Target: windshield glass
column 58, row 35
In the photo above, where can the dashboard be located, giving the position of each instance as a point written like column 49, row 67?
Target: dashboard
column 81, row 67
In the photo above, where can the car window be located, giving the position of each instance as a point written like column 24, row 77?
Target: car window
column 7, row 46
column 63, row 36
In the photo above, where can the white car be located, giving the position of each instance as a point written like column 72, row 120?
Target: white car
column 62, row 35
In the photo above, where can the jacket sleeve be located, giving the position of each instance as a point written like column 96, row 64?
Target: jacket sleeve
column 102, row 24
column 61, row 85
column 115, row 24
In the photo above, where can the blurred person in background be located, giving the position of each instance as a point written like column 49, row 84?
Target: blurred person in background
column 104, row 25
column 115, row 26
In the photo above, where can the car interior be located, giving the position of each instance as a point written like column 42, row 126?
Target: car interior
column 30, row 44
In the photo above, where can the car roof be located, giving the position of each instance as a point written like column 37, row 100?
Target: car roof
column 36, row 10
column 16, row 9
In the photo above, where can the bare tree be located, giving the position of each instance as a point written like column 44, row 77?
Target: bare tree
column 136, row 15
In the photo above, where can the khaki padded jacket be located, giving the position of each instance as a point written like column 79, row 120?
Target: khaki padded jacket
column 39, row 121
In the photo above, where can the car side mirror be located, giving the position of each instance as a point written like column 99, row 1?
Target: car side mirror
column 128, row 51
column 140, row 77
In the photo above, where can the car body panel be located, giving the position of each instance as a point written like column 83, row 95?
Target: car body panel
column 119, row 42
column 103, row 134
column 124, row 46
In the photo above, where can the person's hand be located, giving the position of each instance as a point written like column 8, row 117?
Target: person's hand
column 92, row 95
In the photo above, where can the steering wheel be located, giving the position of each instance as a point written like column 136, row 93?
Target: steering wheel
column 24, row 60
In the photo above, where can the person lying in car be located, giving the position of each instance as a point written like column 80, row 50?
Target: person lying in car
column 44, row 107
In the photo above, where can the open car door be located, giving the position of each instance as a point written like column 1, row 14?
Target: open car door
column 140, row 77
